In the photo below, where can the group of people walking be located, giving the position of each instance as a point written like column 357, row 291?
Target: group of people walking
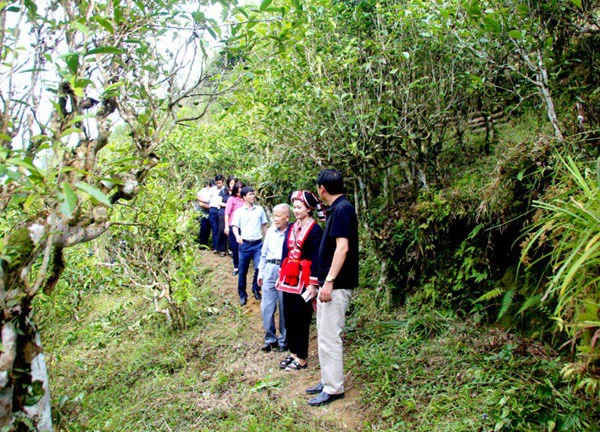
column 217, row 201
column 299, row 267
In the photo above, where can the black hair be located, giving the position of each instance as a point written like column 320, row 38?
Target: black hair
column 219, row 177
column 246, row 190
column 332, row 181
column 237, row 187
column 229, row 179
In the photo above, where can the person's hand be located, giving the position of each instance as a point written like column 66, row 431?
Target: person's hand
column 259, row 281
column 325, row 292
column 312, row 290
column 239, row 240
column 226, row 230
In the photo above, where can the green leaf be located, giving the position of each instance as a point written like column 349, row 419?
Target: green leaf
column 104, row 50
column 81, row 27
column 25, row 163
column 522, row 10
column 29, row 201
column 212, row 32
column 492, row 25
column 199, row 17
column 72, row 60
column 32, row 8
column 113, row 87
column 577, row 3
column 474, row 9
column 106, row 25
column 35, row 392
column 265, row 4
column 94, row 192
column 70, row 201
column 69, row 131
column 515, row 34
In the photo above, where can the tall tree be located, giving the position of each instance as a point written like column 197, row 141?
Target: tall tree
column 71, row 70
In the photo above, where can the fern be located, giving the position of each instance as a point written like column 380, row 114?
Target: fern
column 507, row 301
column 496, row 292
column 534, row 300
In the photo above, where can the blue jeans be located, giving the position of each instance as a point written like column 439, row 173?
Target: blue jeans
column 246, row 252
column 213, row 218
column 271, row 298
column 233, row 247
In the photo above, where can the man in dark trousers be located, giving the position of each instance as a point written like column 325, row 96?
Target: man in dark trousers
column 338, row 276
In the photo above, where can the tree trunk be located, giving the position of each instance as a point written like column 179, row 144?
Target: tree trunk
column 547, row 97
column 24, row 389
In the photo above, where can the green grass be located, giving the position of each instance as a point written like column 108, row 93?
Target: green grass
column 115, row 365
column 430, row 372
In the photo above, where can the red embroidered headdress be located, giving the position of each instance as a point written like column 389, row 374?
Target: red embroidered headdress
column 311, row 201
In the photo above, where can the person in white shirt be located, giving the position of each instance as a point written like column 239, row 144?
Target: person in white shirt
column 213, row 213
column 201, row 204
column 249, row 226
column 268, row 272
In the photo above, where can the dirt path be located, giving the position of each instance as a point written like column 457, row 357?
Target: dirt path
column 258, row 366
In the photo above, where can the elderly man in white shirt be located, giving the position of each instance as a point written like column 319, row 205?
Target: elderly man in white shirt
column 268, row 272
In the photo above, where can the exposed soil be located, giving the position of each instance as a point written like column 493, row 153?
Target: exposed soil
column 257, row 365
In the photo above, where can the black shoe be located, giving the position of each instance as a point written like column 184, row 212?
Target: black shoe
column 316, row 389
column 282, row 348
column 257, row 295
column 243, row 302
column 324, row 399
column 267, row 347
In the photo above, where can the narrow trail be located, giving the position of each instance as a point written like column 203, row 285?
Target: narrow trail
column 257, row 365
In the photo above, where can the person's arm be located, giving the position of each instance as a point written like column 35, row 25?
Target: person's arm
column 263, row 261
column 339, row 256
column 202, row 200
column 235, row 226
column 313, row 253
column 236, row 233
column 227, row 211
column 264, row 221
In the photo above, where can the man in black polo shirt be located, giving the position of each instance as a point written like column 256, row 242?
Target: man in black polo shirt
column 338, row 275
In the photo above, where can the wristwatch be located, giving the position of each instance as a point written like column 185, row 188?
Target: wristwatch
column 329, row 279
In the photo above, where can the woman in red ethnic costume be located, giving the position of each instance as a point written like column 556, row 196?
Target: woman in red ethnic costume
column 298, row 277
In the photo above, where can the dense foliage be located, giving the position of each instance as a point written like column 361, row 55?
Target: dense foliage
column 451, row 121
column 468, row 132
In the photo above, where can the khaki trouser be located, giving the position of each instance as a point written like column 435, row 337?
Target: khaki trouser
column 331, row 318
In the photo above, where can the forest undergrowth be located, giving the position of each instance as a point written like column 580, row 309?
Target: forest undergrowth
column 115, row 365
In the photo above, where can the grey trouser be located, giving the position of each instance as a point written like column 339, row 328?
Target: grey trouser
column 270, row 299
column 331, row 318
